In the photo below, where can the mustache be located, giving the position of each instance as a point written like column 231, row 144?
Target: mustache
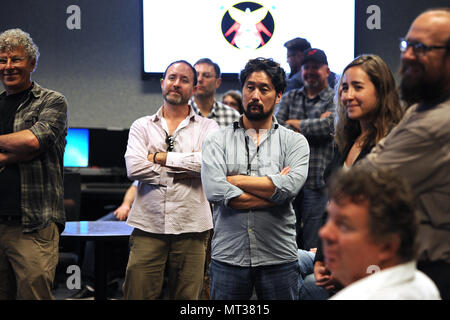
column 174, row 90
column 409, row 64
column 254, row 104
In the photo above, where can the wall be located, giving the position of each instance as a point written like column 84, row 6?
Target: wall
column 98, row 68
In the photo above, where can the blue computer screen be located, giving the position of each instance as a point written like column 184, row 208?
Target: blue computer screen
column 77, row 148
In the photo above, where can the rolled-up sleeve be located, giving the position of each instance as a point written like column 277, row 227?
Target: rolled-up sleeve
column 191, row 161
column 214, row 172
column 51, row 121
column 297, row 158
column 185, row 161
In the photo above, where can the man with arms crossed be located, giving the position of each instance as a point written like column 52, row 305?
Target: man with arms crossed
column 251, row 172
column 170, row 214
column 33, row 127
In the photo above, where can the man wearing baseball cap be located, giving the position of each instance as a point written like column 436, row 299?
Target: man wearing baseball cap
column 295, row 50
column 310, row 111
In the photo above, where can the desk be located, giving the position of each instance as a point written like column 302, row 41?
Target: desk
column 99, row 232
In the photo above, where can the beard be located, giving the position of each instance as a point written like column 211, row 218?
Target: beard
column 175, row 100
column 258, row 115
column 414, row 85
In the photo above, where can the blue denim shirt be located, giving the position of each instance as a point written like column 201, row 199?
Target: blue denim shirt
column 263, row 236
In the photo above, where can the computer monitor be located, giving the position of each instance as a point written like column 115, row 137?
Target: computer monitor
column 77, row 148
column 107, row 147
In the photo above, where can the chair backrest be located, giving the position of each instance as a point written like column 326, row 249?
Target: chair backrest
column 72, row 195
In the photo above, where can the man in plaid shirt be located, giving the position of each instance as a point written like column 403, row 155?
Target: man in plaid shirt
column 310, row 111
column 203, row 101
column 33, row 126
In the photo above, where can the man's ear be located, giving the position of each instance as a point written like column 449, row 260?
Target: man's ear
column 218, row 82
column 389, row 249
column 33, row 64
column 279, row 95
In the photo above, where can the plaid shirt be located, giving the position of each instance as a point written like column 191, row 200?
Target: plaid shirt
column 222, row 114
column 295, row 104
column 44, row 113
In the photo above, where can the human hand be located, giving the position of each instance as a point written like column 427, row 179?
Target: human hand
column 160, row 158
column 121, row 213
column 294, row 123
column 325, row 114
column 233, row 179
column 285, row 171
column 323, row 276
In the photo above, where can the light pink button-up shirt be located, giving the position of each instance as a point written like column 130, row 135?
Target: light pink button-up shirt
column 170, row 199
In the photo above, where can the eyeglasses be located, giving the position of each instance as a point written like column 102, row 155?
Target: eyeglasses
column 14, row 60
column 418, row 47
column 170, row 143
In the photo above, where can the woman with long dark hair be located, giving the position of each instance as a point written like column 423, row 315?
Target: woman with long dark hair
column 368, row 108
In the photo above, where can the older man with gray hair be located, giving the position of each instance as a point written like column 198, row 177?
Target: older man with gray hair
column 33, row 126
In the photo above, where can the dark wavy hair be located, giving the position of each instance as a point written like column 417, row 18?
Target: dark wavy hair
column 188, row 64
column 271, row 68
column 390, row 203
column 387, row 114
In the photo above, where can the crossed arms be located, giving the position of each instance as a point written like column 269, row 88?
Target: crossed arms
column 257, row 191
column 18, row 146
column 224, row 185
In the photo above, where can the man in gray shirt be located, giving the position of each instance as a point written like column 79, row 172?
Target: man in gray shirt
column 418, row 147
column 252, row 171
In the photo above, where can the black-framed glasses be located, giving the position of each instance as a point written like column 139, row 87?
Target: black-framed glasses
column 418, row 47
column 170, row 143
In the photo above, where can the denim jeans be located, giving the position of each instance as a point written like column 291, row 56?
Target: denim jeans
column 306, row 282
column 310, row 211
column 274, row 282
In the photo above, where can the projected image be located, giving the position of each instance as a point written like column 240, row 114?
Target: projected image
column 247, row 25
column 232, row 32
column 77, row 148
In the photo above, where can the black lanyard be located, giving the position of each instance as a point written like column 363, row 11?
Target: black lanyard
column 249, row 165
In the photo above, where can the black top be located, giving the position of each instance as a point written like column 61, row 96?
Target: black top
column 332, row 168
column 10, row 186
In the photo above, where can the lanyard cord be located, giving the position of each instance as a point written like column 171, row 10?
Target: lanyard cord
column 249, row 165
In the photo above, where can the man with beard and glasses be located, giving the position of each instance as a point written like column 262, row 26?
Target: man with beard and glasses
column 170, row 215
column 251, row 172
column 203, row 101
column 418, row 147
column 310, row 111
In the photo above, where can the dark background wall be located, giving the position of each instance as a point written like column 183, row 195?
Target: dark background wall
column 98, row 68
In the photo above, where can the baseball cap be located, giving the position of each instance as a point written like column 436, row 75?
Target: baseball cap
column 314, row 54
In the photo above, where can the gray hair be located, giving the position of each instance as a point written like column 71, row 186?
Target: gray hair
column 13, row 38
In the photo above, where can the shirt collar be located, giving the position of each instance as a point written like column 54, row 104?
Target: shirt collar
column 197, row 110
column 238, row 124
column 35, row 90
column 192, row 115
